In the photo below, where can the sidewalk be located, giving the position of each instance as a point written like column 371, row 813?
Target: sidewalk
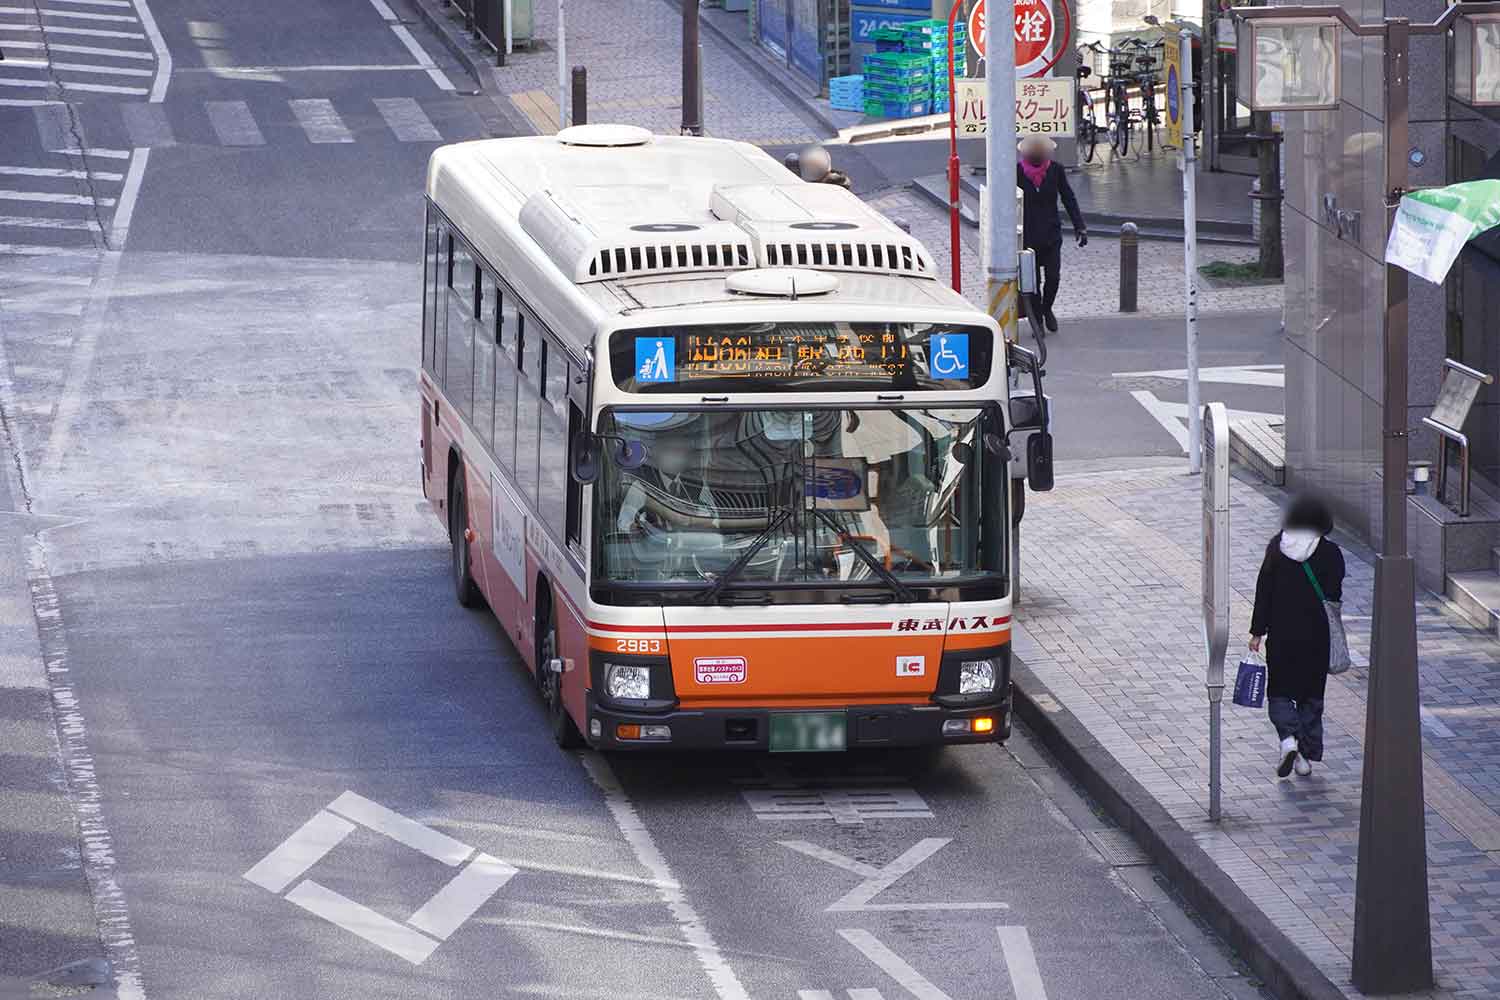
column 1109, row 634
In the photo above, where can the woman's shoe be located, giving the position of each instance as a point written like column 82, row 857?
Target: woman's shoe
column 1050, row 320
column 1302, row 766
column 1288, row 757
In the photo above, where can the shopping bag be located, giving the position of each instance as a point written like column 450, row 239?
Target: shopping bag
column 1338, row 640
column 1250, row 684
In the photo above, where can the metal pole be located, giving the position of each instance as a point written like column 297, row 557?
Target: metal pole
column 1215, row 805
column 956, row 261
column 1190, row 249
column 1392, row 922
column 562, row 64
column 1000, row 166
column 692, row 71
column 580, row 95
column 1129, row 267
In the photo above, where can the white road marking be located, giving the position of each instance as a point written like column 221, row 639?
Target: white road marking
column 80, row 363
column 725, row 983
column 1020, row 960
column 85, row 50
column 53, row 29
column 1268, row 375
column 82, row 15
column 233, row 123
column 320, row 121
column 601, row 932
column 40, row 222
column 15, row 82
column 420, row 55
column 101, row 88
column 407, row 120
column 53, row 197
column 102, row 69
column 893, row 965
column 865, row 994
column 356, row 918
column 461, row 898
column 26, row 64
column 71, row 280
column 59, row 172
column 94, row 3
column 158, row 46
column 384, row 10
column 134, row 174
column 231, row 71
column 18, row 102
column 299, row 852
column 551, row 869
column 877, row 880
column 14, row 307
column 1174, row 416
column 108, row 154
column 814, row 995
column 29, row 250
column 437, row 846
column 845, row 806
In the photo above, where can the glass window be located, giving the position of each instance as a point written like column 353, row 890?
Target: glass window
column 528, row 409
column 506, row 369
column 440, row 307
column 489, row 298
column 553, row 485
column 575, row 489
column 902, row 490
column 459, row 383
column 484, row 385
column 430, row 258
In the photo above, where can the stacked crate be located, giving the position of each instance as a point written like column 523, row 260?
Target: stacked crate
column 847, row 93
column 907, row 74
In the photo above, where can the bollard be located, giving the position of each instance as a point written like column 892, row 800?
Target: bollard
column 580, row 95
column 1129, row 267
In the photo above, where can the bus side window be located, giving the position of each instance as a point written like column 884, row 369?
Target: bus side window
column 459, row 384
column 440, row 304
column 553, row 497
column 430, row 260
column 528, row 408
column 575, row 488
column 507, row 332
column 484, row 360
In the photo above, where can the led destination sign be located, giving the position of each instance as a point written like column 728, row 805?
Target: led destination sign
column 770, row 357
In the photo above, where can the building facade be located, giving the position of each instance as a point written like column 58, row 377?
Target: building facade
column 1335, row 232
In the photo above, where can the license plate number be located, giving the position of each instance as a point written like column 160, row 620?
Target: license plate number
column 808, row 732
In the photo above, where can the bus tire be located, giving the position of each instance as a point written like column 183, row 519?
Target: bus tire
column 464, row 587
column 564, row 733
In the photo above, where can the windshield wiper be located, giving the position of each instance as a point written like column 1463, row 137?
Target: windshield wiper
column 901, row 590
column 712, row 591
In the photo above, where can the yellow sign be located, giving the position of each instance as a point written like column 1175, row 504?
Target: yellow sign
column 1172, row 68
column 1044, row 106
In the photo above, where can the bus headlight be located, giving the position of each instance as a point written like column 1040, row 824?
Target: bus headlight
column 627, row 682
column 976, row 676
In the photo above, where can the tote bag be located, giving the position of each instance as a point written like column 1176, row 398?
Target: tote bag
column 1250, row 684
column 1338, row 641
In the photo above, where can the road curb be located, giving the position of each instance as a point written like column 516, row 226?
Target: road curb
column 435, row 16
column 1286, row 971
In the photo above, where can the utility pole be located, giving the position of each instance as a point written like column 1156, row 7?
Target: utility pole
column 562, row 65
column 1000, row 167
column 692, row 71
column 1190, row 247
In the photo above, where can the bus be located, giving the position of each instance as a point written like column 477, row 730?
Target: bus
column 725, row 458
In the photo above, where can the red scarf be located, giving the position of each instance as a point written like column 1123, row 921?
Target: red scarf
column 1035, row 173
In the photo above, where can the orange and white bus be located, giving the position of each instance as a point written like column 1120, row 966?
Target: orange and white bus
column 726, row 460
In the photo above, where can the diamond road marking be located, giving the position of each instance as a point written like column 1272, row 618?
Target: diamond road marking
column 421, row 933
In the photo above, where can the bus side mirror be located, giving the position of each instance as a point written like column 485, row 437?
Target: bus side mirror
column 585, row 463
column 1039, row 461
column 1027, row 413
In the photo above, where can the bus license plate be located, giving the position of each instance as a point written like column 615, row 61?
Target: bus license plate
column 808, row 731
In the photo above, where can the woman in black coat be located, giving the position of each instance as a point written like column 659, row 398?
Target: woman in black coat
column 1287, row 608
column 1042, row 182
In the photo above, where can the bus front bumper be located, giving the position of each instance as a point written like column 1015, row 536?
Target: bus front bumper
column 750, row 728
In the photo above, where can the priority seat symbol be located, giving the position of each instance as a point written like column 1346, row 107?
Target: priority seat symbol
column 480, row 876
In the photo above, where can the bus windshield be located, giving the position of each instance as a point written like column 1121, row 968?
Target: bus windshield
column 733, row 500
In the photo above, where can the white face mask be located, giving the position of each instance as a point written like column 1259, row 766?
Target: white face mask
column 1298, row 543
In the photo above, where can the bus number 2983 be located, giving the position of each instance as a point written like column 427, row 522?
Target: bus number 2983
column 638, row 645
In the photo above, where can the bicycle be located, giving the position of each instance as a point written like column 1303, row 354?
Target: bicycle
column 1150, row 115
column 1088, row 128
column 1118, row 117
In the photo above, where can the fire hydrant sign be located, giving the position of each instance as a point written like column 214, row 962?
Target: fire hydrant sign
column 1043, row 107
column 1039, row 35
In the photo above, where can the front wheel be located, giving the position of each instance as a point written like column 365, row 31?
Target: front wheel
column 564, row 733
column 464, row 587
column 1088, row 140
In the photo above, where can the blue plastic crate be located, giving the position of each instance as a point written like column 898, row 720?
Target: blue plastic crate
column 895, row 109
column 847, row 93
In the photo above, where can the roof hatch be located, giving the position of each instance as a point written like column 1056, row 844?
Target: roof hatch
column 781, row 282
column 603, row 135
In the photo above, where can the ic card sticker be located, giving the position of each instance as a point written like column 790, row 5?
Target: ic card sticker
column 911, row 666
column 719, row 669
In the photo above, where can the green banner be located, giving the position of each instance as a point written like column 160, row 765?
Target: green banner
column 1432, row 226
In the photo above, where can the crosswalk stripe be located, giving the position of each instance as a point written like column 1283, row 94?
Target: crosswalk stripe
column 95, row 3
column 12, row 82
column 147, row 125
column 25, row 64
column 53, row 197
column 58, row 172
column 234, row 123
column 30, row 250
column 38, row 308
column 82, row 50
column 53, row 29
column 406, row 118
column 18, row 102
column 81, row 14
column 102, row 88
column 320, row 121
column 105, row 70
column 42, row 222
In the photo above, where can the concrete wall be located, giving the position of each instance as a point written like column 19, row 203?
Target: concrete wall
column 1335, row 291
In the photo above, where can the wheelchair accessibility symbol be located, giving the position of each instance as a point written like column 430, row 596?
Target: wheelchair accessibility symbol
column 950, row 356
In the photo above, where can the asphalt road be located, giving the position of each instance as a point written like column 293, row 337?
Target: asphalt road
column 297, row 741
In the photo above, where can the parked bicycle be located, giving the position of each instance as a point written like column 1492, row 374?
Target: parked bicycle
column 1118, row 116
column 1088, row 127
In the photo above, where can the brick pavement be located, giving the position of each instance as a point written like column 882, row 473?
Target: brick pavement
column 635, row 75
column 1109, row 622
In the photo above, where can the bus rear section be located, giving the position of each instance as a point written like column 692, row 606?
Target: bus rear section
column 803, row 678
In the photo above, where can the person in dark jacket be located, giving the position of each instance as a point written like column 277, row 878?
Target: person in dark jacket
column 1042, row 182
column 1289, row 616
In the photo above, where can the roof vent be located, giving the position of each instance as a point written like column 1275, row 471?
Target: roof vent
column 819, row 226
column 606, row 232
column 603, row 135
column 781, row 282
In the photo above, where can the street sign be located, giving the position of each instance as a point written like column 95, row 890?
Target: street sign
column 1172, row 59
column 1041, row 34
column 1215, row 581
column 1043, row 107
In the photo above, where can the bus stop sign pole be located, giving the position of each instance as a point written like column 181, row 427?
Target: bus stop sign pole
column 1215, row 581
